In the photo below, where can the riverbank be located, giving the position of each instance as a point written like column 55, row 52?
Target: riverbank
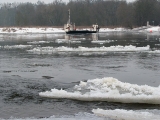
column 22, row 30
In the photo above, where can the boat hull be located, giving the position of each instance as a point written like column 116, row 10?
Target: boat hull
column 80, row 32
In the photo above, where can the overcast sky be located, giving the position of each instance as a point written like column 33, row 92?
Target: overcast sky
column 35, row 1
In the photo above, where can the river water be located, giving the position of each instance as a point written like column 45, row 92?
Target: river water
column 31, row 64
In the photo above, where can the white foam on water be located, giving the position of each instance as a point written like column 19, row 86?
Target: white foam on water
column 118, row 48
column 108, row 89
column 120, row 114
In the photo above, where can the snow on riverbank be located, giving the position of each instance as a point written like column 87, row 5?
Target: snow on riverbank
column 153, row 29
column 113, row 30
column 20, row 30
column 31, row 30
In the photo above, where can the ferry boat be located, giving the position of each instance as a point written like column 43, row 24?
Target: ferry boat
column 71, row 28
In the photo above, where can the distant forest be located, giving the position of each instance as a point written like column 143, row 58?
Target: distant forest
column 83, row 12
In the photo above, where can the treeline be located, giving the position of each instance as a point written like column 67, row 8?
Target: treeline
column 83, row 13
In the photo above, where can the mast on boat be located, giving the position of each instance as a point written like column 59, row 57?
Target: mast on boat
column 69, row 21
column 70, row 28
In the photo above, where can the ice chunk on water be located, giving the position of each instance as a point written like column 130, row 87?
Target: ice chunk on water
column 119, row 114
column 108, row 89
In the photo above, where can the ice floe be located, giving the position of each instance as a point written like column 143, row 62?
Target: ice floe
column 118, row 48
column 108, row 89
column 155, row 51
column 125, row 114
column 38, row 42
column 16, row 46
column 100, row 114
column 101, row 41
column 61, row 41
column 78, row 116
column 112, row 30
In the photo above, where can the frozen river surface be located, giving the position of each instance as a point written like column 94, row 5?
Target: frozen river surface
column 46, row 76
